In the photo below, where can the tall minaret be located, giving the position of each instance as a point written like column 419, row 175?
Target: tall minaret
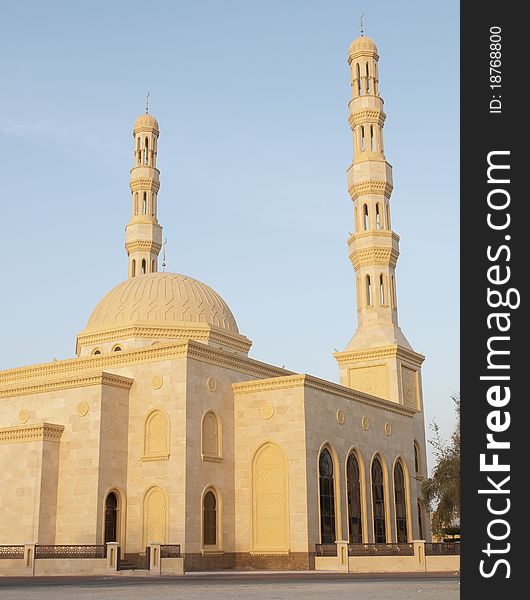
column 143, row 234
column 378, row 359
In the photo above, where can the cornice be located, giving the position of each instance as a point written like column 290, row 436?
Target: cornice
column 115, row 360
column 201, row 331
column 394, row 351
column 65, row 383
column 363, row 257
column 144, row 184
column 366, row 115
column 47, row 432
column 143, row 246
column 308, row 381
column 370, row 186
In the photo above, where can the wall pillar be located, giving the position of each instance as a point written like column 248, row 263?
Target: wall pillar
column 29, row 560
column 112, row 555
column 342, row 555
column 419, row 554
column 154, row 559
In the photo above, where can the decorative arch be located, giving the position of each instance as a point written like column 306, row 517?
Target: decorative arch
column 156, row 436
column 211, row 436
column 402, row 512
column 328, row 494
column 355, row 497
column 380, row 504
column 417, row 459
column 270, row 499
column 155, row 516
column 211, row 519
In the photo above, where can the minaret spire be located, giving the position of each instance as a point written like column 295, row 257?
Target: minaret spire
column 373, row 247
column 143, row 238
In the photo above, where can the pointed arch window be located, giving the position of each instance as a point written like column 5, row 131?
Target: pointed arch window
column 368, row 290
column 111, row 518
column 416, row 458
column 211, row 437
column 144, row 210
column 156, row 436
column 378, row 502
column 135, row 203
column 377, row 216
column 327, row 497
column 365, row 217
column 144, row 267
column 372, row 139
column 209, row 519
column 367, row 79
column 146, row 159
column 401, row 503
column 353, row 475
column 393, row 292
column 133, row 268
column 381, row 290
column 359, row 88
column 362, row 139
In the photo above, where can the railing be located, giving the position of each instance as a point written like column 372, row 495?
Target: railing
column 71, row 551
column 170, row 551
column 11, row 552
column 380, row 550
column 442, row 548
column 326, row 550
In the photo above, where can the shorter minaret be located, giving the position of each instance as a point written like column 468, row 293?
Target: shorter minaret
column 143, row 234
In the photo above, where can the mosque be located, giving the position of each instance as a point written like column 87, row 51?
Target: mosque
column 163, row 429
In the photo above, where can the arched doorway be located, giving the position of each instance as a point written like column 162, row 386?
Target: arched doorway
column 111, row 518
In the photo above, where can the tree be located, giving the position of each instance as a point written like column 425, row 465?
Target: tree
column 441, row 491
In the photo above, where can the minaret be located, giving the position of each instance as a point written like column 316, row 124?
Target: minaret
column 143, row 234
column 378, row 359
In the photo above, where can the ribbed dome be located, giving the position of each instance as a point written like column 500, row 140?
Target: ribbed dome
column 363, row 43
column 146, row 121
column 161, row 299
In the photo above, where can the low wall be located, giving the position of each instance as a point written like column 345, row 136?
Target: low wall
column 172, row 566
column 14, row 567
column 384, row 564
column 442, row 564
column 73, row 566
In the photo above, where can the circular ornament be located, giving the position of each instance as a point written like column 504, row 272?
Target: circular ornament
column 388, row 429
column 23, row 415
column 157, row 381
column 340, row 417
column 365, row 423
column 82, row 408
column 212, row 384
column 267, row 411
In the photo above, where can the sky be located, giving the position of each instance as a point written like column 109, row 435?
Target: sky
column 251, row 98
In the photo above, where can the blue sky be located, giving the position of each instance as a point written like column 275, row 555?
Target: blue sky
column 251, row 98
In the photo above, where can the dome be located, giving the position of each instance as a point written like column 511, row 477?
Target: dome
column 363, row 44
column 161, row 299
column 146, row 121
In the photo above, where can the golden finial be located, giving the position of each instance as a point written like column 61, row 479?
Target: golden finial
column 362, row 30
column 147, row 103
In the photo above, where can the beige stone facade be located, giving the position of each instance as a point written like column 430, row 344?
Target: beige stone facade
column 162, row 430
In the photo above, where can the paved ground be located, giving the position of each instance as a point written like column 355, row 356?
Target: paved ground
column 245, row 586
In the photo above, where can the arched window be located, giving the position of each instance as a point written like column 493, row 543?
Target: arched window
column 144, row 211
column 377, row 217
column 116, row 349
column 209, row 519
column 416, row 458
column 365, row 217
column 387, row 207
column 367, row 80
column 144, row 267
column 359, row 88
column 368, row 290
column 145, row 151
column 153, row 204
column 371, row 138
column 327, row 498
column 111, row 518
column 133, row 268
column 353, row 476
column 381, row 290
column 156, row 436
column 135, row 203
column 401, row 503
column 393, row 291
column 138, row 151
column 153, row 266
column 97, row 351
column 362, row 139
column 211, row 446
column 378, row 502
column 420, row 521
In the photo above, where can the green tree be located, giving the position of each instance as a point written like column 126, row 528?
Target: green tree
column 441, row 491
